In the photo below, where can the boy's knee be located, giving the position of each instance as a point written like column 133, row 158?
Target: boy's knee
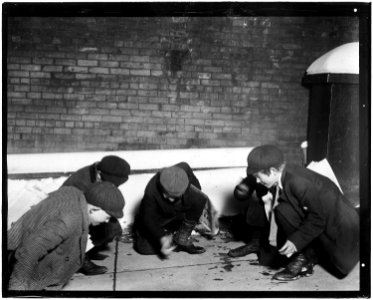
column 287, row 217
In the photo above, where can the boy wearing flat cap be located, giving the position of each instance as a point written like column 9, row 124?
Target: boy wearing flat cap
column 172, row 202
column 315, row 221
column 46, row 246
column 111, row 169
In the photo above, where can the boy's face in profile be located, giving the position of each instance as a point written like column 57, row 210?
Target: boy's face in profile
column 268, row 180
column 98, row 216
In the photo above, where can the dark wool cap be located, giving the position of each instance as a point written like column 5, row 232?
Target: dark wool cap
column 174, row 180
column 264, row 157
column 114, row 169
column 106, row 196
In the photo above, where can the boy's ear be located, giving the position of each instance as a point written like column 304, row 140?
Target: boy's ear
column 273, row 170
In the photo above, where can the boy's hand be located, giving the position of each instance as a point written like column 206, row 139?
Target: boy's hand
column 288, row 249
column 241, row 192
column 167, row 247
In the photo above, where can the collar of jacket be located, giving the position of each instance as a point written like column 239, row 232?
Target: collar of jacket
column 93, row 172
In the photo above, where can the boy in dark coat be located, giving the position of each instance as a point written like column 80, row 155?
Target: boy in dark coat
column 172, row 202
column 255, row 217
column 112, row 169
column 46, row 246
column 312, row 215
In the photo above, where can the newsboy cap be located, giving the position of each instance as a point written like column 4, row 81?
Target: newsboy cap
column 107, row 196
column 114, row 169
column 264, row 157
column 174, row 181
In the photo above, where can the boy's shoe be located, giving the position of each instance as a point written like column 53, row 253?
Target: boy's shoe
column 191, row 249
column 183, row 240
column 298, row 267
column 252, row 247
column 90, row 268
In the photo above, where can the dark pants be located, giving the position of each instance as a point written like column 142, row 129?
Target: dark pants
column 323, row 249
column 288, row 221
column 105, row 232
column 146, row 244
column 258, row 228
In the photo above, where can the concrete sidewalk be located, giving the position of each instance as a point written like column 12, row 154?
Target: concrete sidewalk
column 210, row 271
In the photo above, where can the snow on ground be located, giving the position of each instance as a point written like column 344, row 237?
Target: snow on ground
column 218, row 184
column 22, row 194
column 218, row 170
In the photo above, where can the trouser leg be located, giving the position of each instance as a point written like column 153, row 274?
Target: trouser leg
column 105, row 232
column 147, row 245
column 144, row 245
column 198, row 202
column 288, row 221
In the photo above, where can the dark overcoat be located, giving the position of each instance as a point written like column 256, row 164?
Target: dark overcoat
column 49, row 241
column 83, row 179
column 325, row 213
column 155, row 211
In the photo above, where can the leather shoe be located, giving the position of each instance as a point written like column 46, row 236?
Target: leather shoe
column 90, row 268
column 252, row 247
column 298, row 267
column 191, row 249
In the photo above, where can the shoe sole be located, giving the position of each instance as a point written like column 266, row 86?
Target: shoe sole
column 305, row 273
column 232, row 255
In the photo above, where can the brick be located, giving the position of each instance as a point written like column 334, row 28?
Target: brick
column 25, row 81
column 119, row 71
column 75, row 69
column 144, row 114
column 18, row 74
column 20, row 60
column 40, row 75
column 16, row 94
column 140, row 72
column 111, row 119
column 87, row 63
column 21, row 101
column 62, row 131
column 91, row 118
column 52, row 69
column 84, row 76
column 194, row 122
column 99, row 70
column 30, row 67
column 108, row 64
column 161, row 114
column 149, row 107
column 118, row 57
column 13, row 66
column 42, row 60
column 65, row 62
column 51, row 96
column 148, row 86
column 147, row 93
column 95, row 56
column 156, row 73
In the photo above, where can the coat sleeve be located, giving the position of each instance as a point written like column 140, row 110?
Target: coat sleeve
column 308, row 198
column 32, row 249
column 149, row 219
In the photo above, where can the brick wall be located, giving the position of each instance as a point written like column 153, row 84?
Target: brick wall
column 96, row 84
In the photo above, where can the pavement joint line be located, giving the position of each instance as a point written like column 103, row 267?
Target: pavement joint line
column 180, row 266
